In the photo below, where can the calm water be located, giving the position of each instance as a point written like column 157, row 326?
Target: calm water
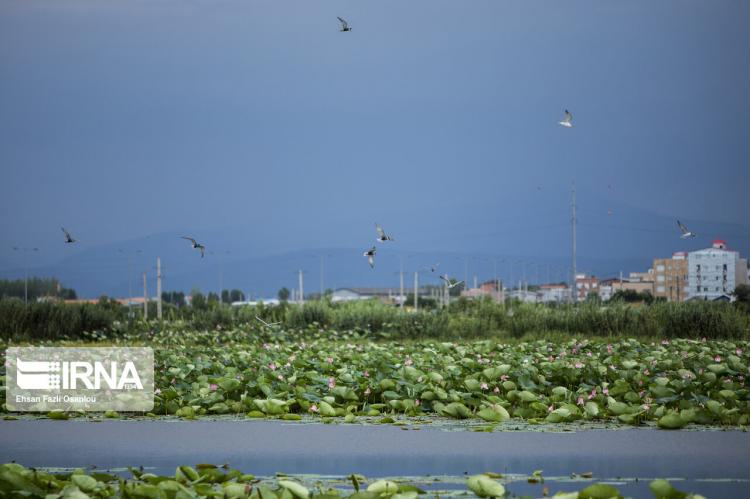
column 713, row 463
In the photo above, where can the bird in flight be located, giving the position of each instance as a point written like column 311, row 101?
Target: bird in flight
column 267, row 324
column 567, row 121
column 685, row 232
column 370, row 254
column 433, row 268
column 448, row 282
column 196, row 245
column 382, row 236
column 68, row 238
column 344, row 25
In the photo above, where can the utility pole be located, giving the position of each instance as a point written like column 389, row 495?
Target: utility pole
column 145, row 298
column 130, row 286
column 573, row 240
column 497, row 283
column 466, row 272
column 401, row 280
column 416, row 291
column 301, row 288
column 321, row 277
column 158, row 288
column 26, row 272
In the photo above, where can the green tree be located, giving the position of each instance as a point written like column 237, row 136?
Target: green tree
column 284, row 294
column 742, row 293
column 236, row 295
column 198, row 300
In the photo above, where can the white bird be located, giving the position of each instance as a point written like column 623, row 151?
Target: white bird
column 370, row 254
column 448, row 282
column 196, row 245
column 68, row 238
column 382, row 236
column 685, row 232
column 266, row 323
column 344, row 25
column 567, row 121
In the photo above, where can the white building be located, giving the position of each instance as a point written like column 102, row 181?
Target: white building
column 715, row 272
column 554, row 293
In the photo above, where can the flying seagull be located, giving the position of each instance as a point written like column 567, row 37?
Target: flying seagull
column 382, row 236
column 685, row 232
column 266, row 323
column 448, row 282
column 344, row 25
column 567, row 121
column 370, row 254
column 196, row 245
column 68, row 238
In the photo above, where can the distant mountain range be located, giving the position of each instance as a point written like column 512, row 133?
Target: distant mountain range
column 627, row 240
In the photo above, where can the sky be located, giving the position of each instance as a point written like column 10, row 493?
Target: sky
column 259, row 128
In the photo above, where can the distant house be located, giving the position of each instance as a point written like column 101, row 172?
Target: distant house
column 585, row 285
column 714, row 272
column 553, row 293
column 386, row 295
column 487, row 288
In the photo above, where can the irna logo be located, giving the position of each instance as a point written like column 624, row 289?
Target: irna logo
column 36, row 375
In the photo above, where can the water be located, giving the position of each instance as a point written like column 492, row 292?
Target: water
column 713, row 463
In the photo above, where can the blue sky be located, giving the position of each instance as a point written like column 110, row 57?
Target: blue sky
column 260, row 128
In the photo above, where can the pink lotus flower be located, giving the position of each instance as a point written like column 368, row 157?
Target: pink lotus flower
column 609, row 349
column 496, row 390
column 281, row 378
column 738, row 352
column 646, row 372
column 272, row 366
column 580, row 400
column 665, row 342
column 367, row 391
column 329, row 360
column 717, row 358
column 417, row 402
column 578, row 365
column 640, row 394
column 504, row 377
column 605, row 391
column 366, row 374
column 331, row 383
column 646, row 407
column 592, row 394
column 313, row 408
column 157, row 391
column 551, row 408
column 551, row 358
column 408, row 362
column 588, row 354
column 212, row 387
column 484, row 386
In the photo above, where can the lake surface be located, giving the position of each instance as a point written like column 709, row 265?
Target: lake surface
column 714, row 463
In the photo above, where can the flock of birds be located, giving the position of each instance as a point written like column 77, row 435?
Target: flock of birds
column 382, row 236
